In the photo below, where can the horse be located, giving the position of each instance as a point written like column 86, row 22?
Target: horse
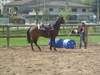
column 34, row 33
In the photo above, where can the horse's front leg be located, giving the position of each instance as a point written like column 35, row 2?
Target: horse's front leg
column 54, row 45
column 51, row 45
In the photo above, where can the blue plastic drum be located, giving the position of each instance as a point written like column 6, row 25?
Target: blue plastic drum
column 68, row 43
column 58, row 43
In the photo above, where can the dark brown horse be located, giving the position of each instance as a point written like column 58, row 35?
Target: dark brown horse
column 34, row 32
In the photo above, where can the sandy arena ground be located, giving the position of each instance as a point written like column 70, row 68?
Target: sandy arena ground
column 24, row 61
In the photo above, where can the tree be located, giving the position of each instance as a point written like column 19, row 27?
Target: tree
column 45, row 15
column 87, row 2
column 94, row 4
column 37, row 9
column 64, row 12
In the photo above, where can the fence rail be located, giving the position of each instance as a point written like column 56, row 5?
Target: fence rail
column 23, row 26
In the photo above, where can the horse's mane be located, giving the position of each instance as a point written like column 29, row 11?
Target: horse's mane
column 56, row 23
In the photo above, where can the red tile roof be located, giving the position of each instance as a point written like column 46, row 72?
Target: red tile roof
column 63, row 4
column 14, row 3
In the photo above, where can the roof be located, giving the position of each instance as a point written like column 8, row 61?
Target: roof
column 63, row 4
column 14, row 3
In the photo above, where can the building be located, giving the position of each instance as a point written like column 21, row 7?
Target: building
column 18, row 8
column 0, row 7
column 3, row 2
column 80, row 12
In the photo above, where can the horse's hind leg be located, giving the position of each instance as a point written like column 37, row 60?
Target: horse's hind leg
column 35, row 42
column 32, row 46
column 54, row 45
column 51, row 45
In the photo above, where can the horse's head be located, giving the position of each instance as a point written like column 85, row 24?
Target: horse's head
column 59, row 21
column 62, row 21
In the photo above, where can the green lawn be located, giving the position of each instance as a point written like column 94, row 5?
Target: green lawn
column 43, row 41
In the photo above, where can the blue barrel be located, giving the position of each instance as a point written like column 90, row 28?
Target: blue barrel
column 68, row 43
column 58, row 43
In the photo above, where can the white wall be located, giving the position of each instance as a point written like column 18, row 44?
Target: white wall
column 56, row 11
column 3, row 2
column 82, row 15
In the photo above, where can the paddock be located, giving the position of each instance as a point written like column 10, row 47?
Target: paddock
column 24, row 61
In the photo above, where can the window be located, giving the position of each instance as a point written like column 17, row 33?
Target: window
column 83, row 10
column 50, row 9
column 61, row 9
column 0, row 10
column 74, row 10
column 10, row 10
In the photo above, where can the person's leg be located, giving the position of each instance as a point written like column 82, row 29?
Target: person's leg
column 84, row 41
column 80, row 40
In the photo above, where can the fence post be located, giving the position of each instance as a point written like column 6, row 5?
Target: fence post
column 17, row 30
column 63, row 29
column 7, row 36
column 86, row 29
column 3, row 30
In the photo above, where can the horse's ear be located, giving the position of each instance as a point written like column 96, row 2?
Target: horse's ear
column 61, row 16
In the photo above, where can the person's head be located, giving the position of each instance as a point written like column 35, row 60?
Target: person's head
column 82, row 24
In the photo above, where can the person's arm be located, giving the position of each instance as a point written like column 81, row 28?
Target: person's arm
column 79, row 26
column 83, row 28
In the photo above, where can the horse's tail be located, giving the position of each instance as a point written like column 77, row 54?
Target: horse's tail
column 28, row 36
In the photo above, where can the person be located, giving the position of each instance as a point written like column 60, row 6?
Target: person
column 82, row 34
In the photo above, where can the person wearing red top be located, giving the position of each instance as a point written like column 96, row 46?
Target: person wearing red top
column 82, row 34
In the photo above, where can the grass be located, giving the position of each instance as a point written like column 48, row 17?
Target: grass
column 23, row 41
column 42, row 40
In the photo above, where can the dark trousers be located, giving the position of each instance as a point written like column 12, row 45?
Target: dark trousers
column 82, row 38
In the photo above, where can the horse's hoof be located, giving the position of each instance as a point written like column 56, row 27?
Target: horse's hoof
column 32, row 49
column 55, row 49
column 50, row 48
column 40, row 50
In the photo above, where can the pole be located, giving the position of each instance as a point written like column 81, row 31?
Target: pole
column 98, row 10
column 7, row 36
column 44, row 6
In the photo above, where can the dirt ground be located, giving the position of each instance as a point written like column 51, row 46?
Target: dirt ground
column 24, row 61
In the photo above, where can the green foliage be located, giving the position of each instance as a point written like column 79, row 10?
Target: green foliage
column 6, row 16
column 13, row 19
column 46, row 14
column 90, row 29
column 87, row 2
column 17, row 20
column 94, row 4
column 65, row 11
column 1, row 15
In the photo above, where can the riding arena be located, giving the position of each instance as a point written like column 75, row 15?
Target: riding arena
column 43, row 59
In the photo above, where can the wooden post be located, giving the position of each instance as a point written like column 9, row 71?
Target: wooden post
column 63, row 29
column 98, row 28
column 3, row 30
column 86, row 29
column 7, row 36
column 17, row 30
